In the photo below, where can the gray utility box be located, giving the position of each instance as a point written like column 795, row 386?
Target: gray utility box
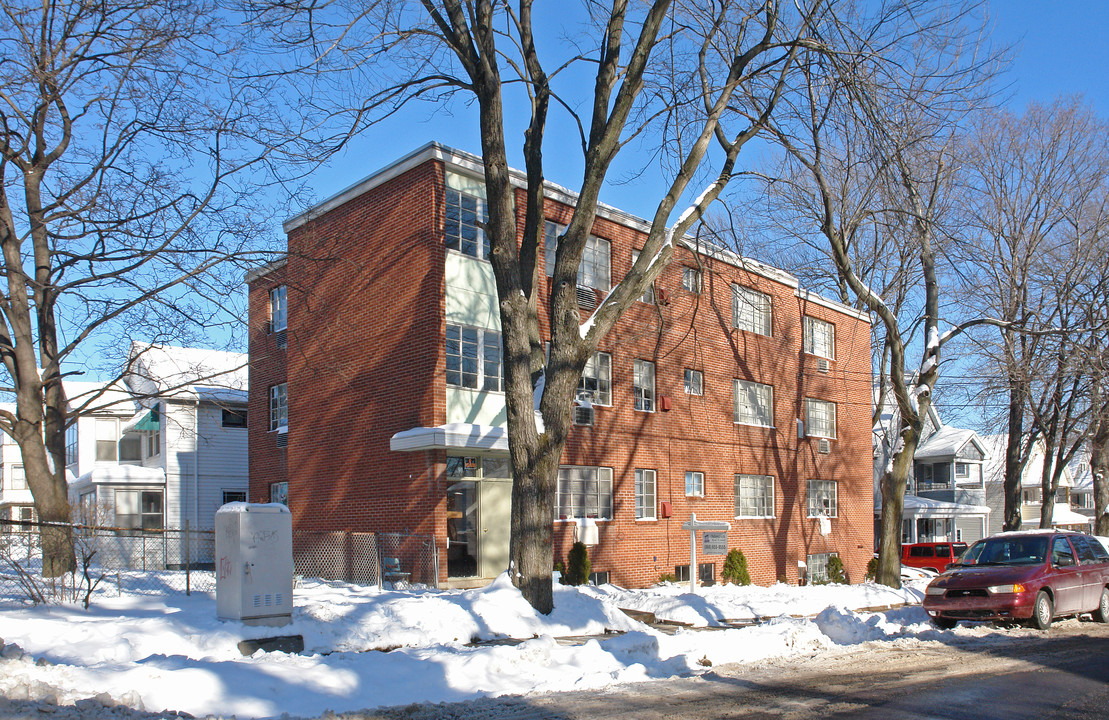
column 254, row 563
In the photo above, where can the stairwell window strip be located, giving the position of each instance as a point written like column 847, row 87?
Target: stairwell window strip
column 645, row 496
column 820, row 338
column 754, row 404
column 754, row 496
column 820, row 418
column 473, row 358
column 822, row 498
column 584, row 492
column 751, row 310
column 643, row 385
column 279, row 406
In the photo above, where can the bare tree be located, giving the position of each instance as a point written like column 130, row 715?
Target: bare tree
column 869, row 167
column 1027, row 178
column 125, row 135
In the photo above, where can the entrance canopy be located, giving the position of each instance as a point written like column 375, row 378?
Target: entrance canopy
column 455, row 436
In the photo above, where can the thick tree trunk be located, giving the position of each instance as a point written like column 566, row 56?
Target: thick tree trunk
column 893, row 483
column 1014, row 459
column 1099, row 470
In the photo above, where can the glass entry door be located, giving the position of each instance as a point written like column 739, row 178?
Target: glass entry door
column 462, row 529
column 479, row 501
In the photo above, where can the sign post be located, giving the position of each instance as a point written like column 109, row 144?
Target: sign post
column 715, row 537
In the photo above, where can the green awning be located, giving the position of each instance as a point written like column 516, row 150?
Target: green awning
column 151, row 421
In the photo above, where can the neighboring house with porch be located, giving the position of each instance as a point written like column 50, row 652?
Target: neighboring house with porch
column 945, row 500
column 165, row 446
column 1065, row 515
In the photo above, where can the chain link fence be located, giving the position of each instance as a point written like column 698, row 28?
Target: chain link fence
column 164, row 562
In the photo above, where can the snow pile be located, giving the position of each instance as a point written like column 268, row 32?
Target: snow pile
column 366, row 647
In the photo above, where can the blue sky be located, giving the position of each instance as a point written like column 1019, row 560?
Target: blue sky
column 1061, row 49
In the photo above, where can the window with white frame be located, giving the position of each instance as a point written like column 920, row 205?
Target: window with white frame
column 130, row 448
column 107, row 435
column 595, row 269
column 473, row 358
column 820, row 418
column 139, row 510
column 822, row 498
column 820, row 338
column 816, row 567
column 584, row 492
column 19, row 478
column 643, row 385
column 754, row 496
column 648, row 295
column 234, row 496
column 595, row 384
column 645, row 494
column 279, row 313
column 754, row 403
column 691, row 280
column 279, row 406
column 694, row 382
column 694, row 484
column 751, row 310
column 463, row 230
column 962, row 470
column 71, row 444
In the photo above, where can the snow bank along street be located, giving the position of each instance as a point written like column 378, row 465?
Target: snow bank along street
column 366, row 647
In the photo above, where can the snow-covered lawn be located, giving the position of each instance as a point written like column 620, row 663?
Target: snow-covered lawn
column 366, row 647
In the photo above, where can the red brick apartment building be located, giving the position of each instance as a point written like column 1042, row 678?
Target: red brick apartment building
column 729, row 392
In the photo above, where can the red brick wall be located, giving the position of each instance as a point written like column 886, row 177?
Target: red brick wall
column 364, row 361
column 267, row 368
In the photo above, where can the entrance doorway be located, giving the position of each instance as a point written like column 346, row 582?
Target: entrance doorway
column 479, row 502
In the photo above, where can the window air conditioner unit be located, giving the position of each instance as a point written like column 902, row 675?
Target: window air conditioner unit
column 822, row 365
column 279, row 340
column 282, row 439
column 824, row 446
column 583, row 415
column 587, row 299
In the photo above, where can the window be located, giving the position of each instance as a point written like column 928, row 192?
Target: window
column 19, row 478
column 234, row 496
column 648, row 295
column 473, row 358
column 234, row 418
column 279, row 493
column 644, row 385
column 820, row 418
column 584, row 492
column 106, row 439
column 754, row 496
column 152, row 431
column 706, row 573
column 278, row 309
column 595, row 268
column 139, row 510
column 962, row 470
column 822, row 498
column 820, row 338
column 694, row 382
column 596, row 380
column 71, row 444
column 279, row 406
column 153, row 443
column 754, row 404
column 598, row 577
column 466, row 216
column 130, row 448
column 644, row 494
column 751, row 310
column 1031, row 495
column 695, row 484
column 817, row 567
column 691, row 280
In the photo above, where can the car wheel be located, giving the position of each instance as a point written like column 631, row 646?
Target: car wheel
column 1043, row 611
column 1102, row 612
column 945, row 623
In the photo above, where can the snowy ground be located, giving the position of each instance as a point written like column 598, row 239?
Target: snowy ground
column 366, row 647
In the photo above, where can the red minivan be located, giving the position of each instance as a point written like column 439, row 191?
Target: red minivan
column 1032, row 575
column 934, row 556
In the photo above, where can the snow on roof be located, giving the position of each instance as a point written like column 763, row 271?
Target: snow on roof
column 944, row 443
column 453, row 435
column 90, row 396
column 122, row 475
column 192, row 372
